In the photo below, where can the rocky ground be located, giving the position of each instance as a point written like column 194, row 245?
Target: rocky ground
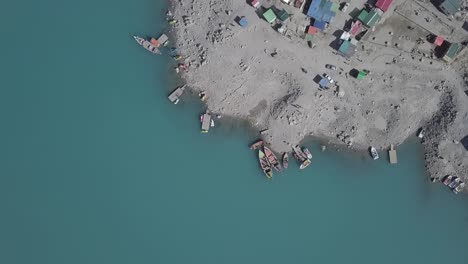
column 270, row 79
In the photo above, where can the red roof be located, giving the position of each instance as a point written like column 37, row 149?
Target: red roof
column 255, row 3
column 439, row 40
column 383, row 4
column 312, row 30
column 355, row 28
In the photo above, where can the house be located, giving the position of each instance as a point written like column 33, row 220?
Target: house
column 449, row 7
column 383, row 4
column 438, row 41
column 452, row 52
column 243, row 22
column 347, row 49
column 370, row 19
column 255, row 3
column 283, row 15
column 322, row 10
column 355, row 28
column 320, row 25
column 311, row 31
column 269, row 16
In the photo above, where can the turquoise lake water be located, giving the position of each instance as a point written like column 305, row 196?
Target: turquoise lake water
column 98, row 167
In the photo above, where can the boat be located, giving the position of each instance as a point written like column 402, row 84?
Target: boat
column 272, row 159
column 171, row 21
column 459, row 188
column 212, row 123
column 298, row 154
column 305, row 164
column 206, row 121
column 454, row 183
column 147, row 45
column 265, row 164
column 421, row 133
column 307, row 153
column 374, row 154
column 285, row 160
column 447, row 180
column 175, row 95
column 257, row 145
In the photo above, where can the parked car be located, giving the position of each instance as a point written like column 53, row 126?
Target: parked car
column 329, row 78
column 344, row 7
column 331, row 67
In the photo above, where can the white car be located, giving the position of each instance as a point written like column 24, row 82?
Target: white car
column 329, row 78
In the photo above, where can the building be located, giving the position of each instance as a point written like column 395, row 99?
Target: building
column 311, row 31
column 370, row 19
column 269, row 16
column 255, row 3
column 320, row 25
column 243, row 22
column 322, row 10
column 438, row 41
column 383, row 4
column 347, row 49
column 451, row 52
column 449, row 7
column 283, row 15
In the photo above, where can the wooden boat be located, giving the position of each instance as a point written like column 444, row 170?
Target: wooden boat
column 307, row 153
column 265, row 164
column 257, row 145
column 305, row 164
column 447, row 180
column 298, row 154
column 147, row 45
column 272, row 159
column 285, row 160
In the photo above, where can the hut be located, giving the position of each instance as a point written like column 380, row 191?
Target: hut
column 269, row 16
column 452, row 52
column 449, row 7
column 438, row 41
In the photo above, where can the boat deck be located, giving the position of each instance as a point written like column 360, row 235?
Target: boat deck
column 392, row 155
column 206, row 123
column 174, row 96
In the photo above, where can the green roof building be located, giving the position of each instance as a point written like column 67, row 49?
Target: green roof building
column 362, row 16
column 334, row 7
column 372, row 18
column 269, row 16
column 449, row 7
column 283, row 15
column 451, row 52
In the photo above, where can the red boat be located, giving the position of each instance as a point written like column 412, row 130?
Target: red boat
column 272, row 159
column 257, row 145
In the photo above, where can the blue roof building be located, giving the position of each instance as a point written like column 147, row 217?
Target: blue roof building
column 321, row 10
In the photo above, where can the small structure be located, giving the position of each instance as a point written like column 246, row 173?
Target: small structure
column 320, row 24
column 355, row 28
column 206, row 122
column 451, row 52
column 174, row 96
column 392, row 155
column 322, row 10
column 311, row 31
column 449, row 7
column 243, row 22
column 383, row 4
column 438, row 41
column 372, row 18
column 255, row 3
column 299, row 4
column 163, row 39
column 283, row 15
column 323, row 83
column 347, row 49
column 361, row 75
column 269, row 16
column 155, row 42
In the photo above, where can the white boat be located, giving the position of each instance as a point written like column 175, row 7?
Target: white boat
column 307, row 152
column 421, row 133
column 212, row 123
column 147, row 45
column 305, row 164
column 374, row 154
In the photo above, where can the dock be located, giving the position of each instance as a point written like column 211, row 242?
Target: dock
column 392, row 155
column 174, row 96
column 206, row 122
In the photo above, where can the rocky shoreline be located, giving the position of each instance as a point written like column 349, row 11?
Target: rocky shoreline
column 267, row 78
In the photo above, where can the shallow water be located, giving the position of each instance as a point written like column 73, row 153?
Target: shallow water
column 98, row 166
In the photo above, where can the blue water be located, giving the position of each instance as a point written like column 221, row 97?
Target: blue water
column 98, row 167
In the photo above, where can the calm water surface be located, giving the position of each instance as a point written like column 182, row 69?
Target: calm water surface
column 98, row 167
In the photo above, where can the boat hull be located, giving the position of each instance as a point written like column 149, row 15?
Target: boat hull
column 272, row 159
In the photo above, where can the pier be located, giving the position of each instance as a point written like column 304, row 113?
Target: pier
column 174, row 96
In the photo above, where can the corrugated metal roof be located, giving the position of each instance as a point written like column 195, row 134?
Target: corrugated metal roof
column 451, row 6
column 363, row 15
column 269, row 16
column 383, row 4
column 372, row 18
column 452, row 51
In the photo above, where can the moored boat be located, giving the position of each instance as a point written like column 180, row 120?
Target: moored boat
column 374, row 154
column 272, row 159
column 307, row 153
column 257, row 144
column 147, row 45
column 447, row 180
column 305, row 164
column 454, row 183
column 298, row 154
column 285, row 160
column 265, row 164
column 459, row 188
